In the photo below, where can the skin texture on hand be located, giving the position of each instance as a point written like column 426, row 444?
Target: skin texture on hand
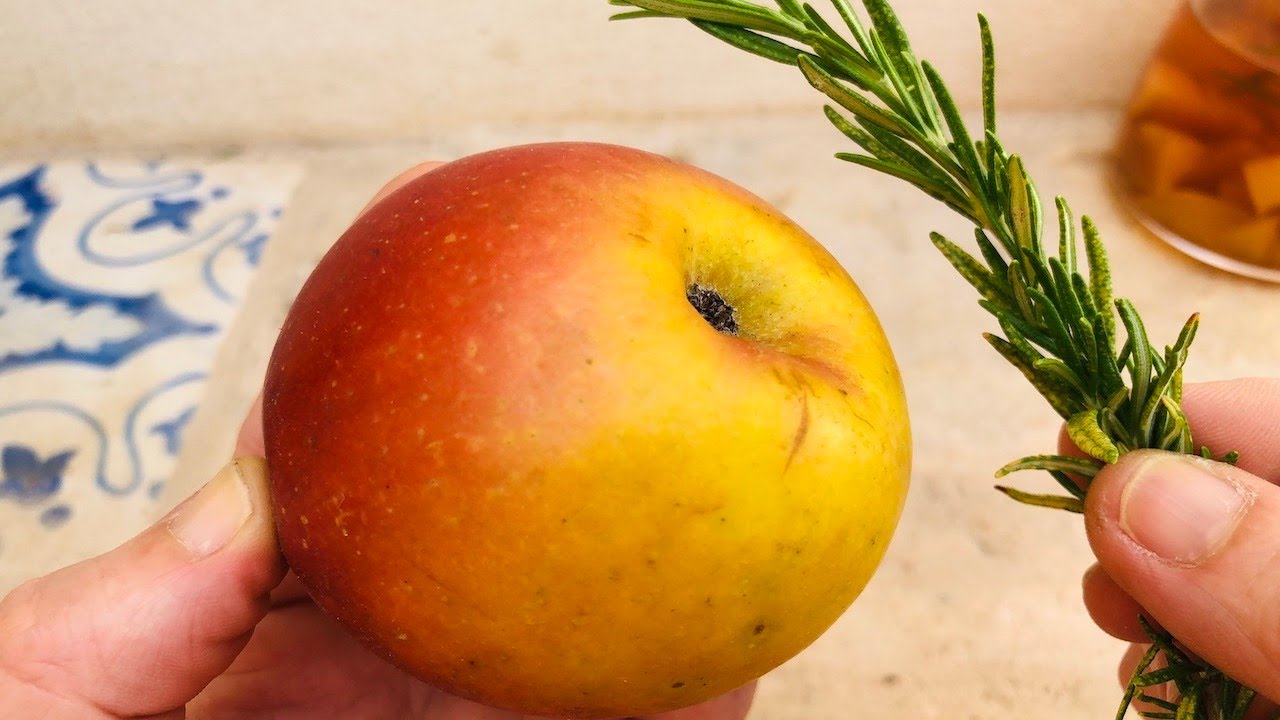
column 197, row 618
column 1191, row 544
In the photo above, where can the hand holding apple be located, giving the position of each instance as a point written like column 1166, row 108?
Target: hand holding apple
column 576, row 430
column 190, row 619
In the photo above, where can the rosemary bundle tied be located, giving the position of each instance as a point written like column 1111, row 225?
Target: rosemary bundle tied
column 1056, row 311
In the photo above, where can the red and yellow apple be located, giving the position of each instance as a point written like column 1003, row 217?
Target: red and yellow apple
column 581, row 431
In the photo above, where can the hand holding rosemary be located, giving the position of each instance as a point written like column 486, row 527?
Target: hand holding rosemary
column 1057, row 320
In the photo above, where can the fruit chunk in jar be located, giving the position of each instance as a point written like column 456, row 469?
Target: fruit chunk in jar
column 1199, row 152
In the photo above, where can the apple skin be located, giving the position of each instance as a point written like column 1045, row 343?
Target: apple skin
column 508, row 453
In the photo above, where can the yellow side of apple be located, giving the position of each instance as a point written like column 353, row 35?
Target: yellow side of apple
column 509, row 453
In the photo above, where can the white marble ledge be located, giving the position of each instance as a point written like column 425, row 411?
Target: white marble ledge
column 976, row 611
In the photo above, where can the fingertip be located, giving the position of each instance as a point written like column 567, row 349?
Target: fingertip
column 1238, row 415
column 1065, row 444
column 252, row 470
column 733, row 705
column 400, row 181
column 738, row 703
column 1110, row 607
column 250, row 441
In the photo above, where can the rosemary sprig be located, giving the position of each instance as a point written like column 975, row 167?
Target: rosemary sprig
column 1057, row 320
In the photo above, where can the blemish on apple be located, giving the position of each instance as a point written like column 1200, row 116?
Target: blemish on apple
column 802, row 431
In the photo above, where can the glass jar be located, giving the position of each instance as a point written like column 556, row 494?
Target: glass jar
column 1198, row 157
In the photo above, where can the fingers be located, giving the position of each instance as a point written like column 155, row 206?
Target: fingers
column 1193, row 542
column 1239, row 415
column 142, row 629
column 1111, row 607
column 732, row 706
column 249, row 441
column 1227, row 415
column 400, row 181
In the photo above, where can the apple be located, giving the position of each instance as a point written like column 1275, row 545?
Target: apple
column 576, row 430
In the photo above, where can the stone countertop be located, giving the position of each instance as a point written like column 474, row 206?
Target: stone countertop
column 976, row 611
column 118, row 73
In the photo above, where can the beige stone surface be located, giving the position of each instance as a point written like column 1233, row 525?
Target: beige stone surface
column 976, row 611
column 141, row 73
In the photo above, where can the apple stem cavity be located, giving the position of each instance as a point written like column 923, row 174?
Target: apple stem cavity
column 718, row 313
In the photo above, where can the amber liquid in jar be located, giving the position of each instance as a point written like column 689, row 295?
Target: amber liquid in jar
column 1199, row 153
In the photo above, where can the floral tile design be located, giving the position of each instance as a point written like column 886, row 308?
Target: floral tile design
column 117, row 282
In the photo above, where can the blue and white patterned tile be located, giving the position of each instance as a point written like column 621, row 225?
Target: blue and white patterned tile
column 117, row 283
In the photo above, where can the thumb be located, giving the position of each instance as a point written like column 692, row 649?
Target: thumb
column 142, row 629
column 1194, row 543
